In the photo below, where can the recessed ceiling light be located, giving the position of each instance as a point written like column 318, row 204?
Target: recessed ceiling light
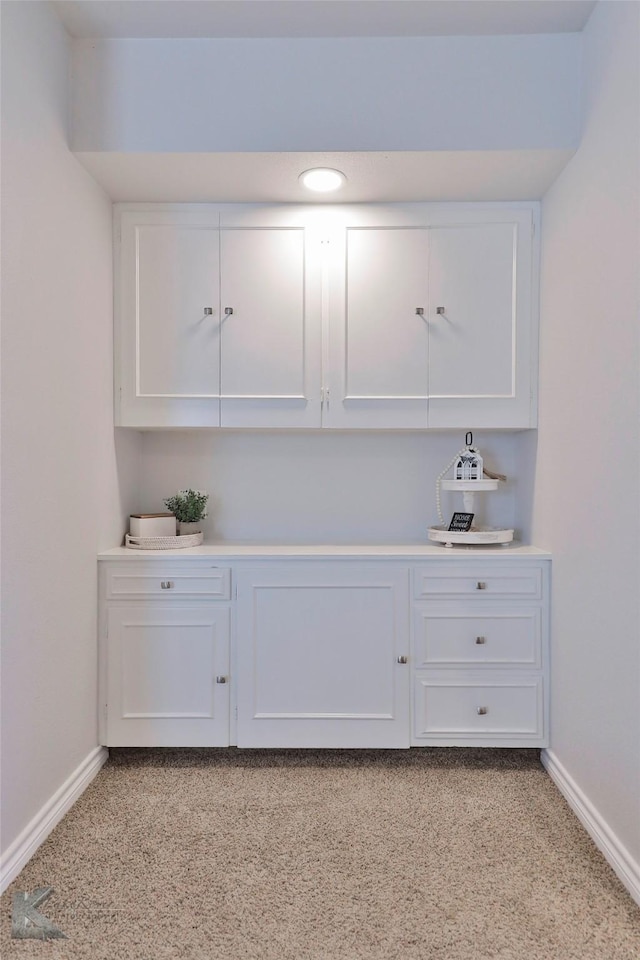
column 322, row 179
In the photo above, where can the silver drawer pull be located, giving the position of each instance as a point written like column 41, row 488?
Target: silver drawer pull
column 403, row 659
column 221, row 679
column 481, row 585
column 166, row 584
column 481, row 639
column 482, row 710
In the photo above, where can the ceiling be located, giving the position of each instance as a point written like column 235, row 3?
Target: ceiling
column 264, row 177
column 371, row 177
column 319, row 18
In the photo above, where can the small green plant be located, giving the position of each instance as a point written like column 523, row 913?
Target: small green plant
column 189, row 506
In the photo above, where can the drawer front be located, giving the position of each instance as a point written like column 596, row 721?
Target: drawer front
column 125, row 583
column 444, row 636
column 476, row 708
column 480, row 581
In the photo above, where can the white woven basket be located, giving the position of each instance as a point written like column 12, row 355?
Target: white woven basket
column 163, row 543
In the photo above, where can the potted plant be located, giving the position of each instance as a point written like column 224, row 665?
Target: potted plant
column 189, row 508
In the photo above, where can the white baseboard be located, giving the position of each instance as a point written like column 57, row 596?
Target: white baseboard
column 626, row 868
column 36, row 832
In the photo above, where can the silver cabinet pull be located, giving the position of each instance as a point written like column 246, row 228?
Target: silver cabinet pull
column 481, row 585
column 403, row 659
column 228, row 311
column 482, row 711
column 440, row 310
column 221, row 679
column 166, row 584
column 420, row 311
column 208, row 311
column 481, row 639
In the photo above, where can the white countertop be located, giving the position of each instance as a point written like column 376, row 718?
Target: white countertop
column 318, row 551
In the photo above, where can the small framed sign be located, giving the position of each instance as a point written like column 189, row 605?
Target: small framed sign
column 461, row 522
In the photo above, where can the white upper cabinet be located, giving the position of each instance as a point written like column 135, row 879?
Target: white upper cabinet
column 431, row 318
column 217, row 324
column 403, row 316
column 270, row 344
column 167, row 343
column 481, row 357
column 378, row 375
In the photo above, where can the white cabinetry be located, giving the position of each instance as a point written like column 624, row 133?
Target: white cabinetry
column 164, row 656
column 167, row 361
column 270, row 345
column 432, row 318
column 483, row 346
column 217, row 319
column 364, row 647
column 480, row 654
column 372, row 316
column 378, row 375
column 322, row 655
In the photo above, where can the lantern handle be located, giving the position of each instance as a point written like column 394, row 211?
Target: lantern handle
column 469, row 439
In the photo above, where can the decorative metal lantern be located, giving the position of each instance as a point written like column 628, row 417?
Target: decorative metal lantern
column 468, row 465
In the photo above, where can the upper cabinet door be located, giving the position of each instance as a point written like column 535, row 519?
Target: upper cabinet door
column 270, row 346
column 379, row 336
column 168, row 334
column 481, row 351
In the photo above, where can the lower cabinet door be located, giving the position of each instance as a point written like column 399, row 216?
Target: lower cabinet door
column 322, row 656
column 167, row 675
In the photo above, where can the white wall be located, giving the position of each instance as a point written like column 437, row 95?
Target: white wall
column 66, row 494
column 421, row 93
column 586, row 492
column 324, row 486
column 63, row 496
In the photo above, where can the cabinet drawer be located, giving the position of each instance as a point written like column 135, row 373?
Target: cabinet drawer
column 477, row 708
column 212, row 583
column 477, row 580
column 445, row 636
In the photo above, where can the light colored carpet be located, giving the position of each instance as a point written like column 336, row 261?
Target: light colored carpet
column 431, row 854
